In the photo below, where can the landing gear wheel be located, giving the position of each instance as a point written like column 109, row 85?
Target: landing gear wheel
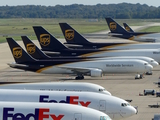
column 79, row 77
column 149, row 73
column 141, row 76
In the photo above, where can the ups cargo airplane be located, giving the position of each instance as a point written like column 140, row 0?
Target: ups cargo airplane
column 114, row 107
column 118, row 31
column 49, row 43
column 36, row 53
column 58, row 86
column 48, row 111
column 146, row 49
column 93, row 68
column 74, row 38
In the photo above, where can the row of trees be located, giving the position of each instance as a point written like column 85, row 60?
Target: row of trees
column 123, row 10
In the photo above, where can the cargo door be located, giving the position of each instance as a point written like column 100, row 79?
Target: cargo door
column 102, row 105
column 77, row 116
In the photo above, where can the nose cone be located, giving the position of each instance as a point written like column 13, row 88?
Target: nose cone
column 107, row 93
column 134, row 110
column 130, row 110
column 155, row 63
column 149, row 67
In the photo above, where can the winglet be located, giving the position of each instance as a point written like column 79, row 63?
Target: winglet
column 18, row 52
column 47, row 41
column 71, row 35
column 114, row 26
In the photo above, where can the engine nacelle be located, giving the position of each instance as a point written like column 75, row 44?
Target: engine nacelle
column 96, row 73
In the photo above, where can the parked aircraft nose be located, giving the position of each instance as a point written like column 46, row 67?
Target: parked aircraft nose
column 155, row 63
column 131, row 111
column 134, row 111
column 107, row 93
column 149, row 67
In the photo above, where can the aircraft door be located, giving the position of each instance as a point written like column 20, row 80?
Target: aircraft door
column 102, row 105
column 77, row 116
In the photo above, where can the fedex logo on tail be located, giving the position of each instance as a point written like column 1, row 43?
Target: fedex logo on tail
column 69, row 100
column 40, row 114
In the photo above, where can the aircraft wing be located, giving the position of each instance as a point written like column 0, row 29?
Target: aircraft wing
column 116, row 34
column 93, row 72
column 77, row 69
column 50, row 52
column 17, row 65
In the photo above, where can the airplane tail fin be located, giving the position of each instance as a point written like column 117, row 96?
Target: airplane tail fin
column 47, row 41
column 126, row 26
column 18, row 52
column 32, row 49
column 114, row 26
column 71, row 35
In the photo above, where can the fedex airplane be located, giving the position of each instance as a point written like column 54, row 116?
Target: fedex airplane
column 114, row 107
column 72, row 37
column 48, row 111
column 58, row 86
column 93, row 68
column 118, row 31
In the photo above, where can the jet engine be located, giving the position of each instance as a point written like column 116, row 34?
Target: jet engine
column 96, row 73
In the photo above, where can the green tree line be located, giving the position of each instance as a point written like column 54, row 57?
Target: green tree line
column 119, row 11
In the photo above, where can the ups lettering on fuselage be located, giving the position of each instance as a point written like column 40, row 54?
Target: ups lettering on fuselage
column 44, row 39
column 17, row 52
column 69, row 34
column 31, row 48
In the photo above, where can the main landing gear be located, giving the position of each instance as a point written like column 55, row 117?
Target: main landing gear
column 79, row 77
column 149, row 73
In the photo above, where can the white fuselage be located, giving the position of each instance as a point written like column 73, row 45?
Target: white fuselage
column 58, row 86
column 115, row 107
column 154, row 37
column 151, row 61
column 135, row 46
column 48, row 111
column 152, row 53
column 107, row 66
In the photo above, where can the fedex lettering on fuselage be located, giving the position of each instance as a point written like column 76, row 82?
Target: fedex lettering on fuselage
column 40, row 114
column 69, row 100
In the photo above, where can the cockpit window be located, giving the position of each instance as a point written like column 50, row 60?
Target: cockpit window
column 125, row 104
column 105, row 118
column 145, row 63
column 151, row 60
column 102, row 89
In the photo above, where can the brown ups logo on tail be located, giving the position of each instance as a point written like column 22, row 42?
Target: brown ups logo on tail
column 69, row 34
column 31, row 48
column 17, row 52
column 44, row 39
column 127, row 28
column 113, row 25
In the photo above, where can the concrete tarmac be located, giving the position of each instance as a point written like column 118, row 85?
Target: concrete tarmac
column 123, row 86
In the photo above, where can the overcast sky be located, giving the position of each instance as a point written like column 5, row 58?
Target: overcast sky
column 69, row 2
